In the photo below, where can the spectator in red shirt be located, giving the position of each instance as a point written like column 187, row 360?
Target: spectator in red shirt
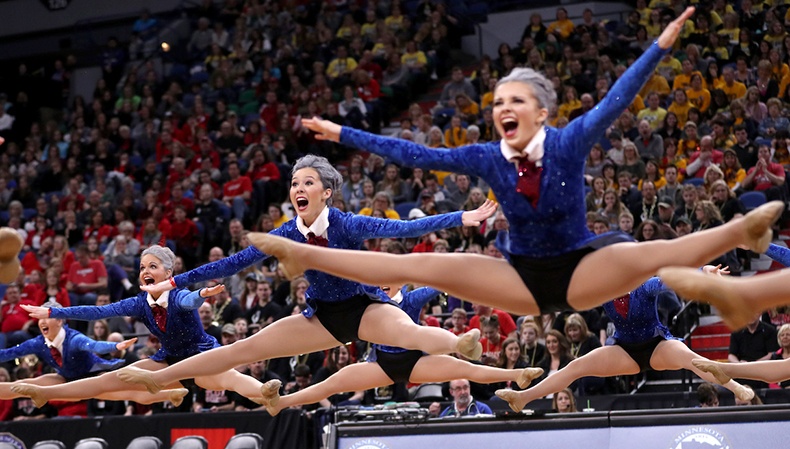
column 206, row 151
column 72, row 195
column 703, row 158
column 178, row 172
column 265, row 177
column 52, row 291
column 98, row 229
column 269, row 112
column 184, row 233
column 458, row 320
column 86, row 277
column 765, row 176
column 237, row 192
column 506, row 324
column 177, row 199
column 15, row 321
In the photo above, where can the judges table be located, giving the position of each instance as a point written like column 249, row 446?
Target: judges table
column 725, row 427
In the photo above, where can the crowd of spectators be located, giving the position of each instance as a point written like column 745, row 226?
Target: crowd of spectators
column 195, row 158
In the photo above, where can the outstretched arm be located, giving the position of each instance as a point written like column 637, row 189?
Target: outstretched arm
column 591, row 126
column 126, row 307
column 370, row 227
column 217, row 270
column 415, row 300
column 82, row 343
column 466, row 159
column 20, row 350
column 194, row 299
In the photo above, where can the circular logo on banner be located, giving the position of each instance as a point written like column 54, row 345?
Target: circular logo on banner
column 368, row 444
column 7, row 438
column 700, row 438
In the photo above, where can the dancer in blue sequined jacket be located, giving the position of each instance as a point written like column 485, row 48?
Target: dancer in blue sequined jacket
column 537, row 173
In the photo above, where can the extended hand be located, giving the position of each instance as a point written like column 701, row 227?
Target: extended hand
column 158, row 288
column 477, row 216
column 211, row 291
column 36, row 312
column 126, row 344
column 324, row 129
column 672, row 31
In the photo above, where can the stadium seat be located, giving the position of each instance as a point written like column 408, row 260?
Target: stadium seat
column 190, row 442
column 145, row 443
column 251, row 107
column 247, row 96
column 694, row 181
column 49, row 444
column 245, row 441
column 752, row 200
column 91, row 443
column 28, row 214
column 403, row 209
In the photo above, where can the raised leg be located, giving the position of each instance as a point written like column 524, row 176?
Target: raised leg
column 233, row 380
column 630, row 264
column 673, row 355
column 601, row 362
column 388, row 325
column 294, row 335
column 738, row 300
column 359, row 376
column 175, row 396
column 93, row 387
column 770, row 371
column 481, row 279
column 442, row 368
column 45, row 380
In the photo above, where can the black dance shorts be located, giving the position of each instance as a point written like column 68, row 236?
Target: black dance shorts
column 548, row 278
column 398, row 365
column 642, row 352
column 342, row 318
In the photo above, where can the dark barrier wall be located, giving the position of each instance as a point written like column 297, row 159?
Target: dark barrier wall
column 726, row 428
column 288, row 430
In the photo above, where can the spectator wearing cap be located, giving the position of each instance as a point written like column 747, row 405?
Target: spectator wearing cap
column 683, row 226
column 703, row 158
column 666, row 212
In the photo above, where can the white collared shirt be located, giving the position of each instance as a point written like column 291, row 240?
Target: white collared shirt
column 319, row 226
column 162, row 301
column 57, row 343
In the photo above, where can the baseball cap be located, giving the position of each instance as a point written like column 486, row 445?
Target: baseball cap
column 426, row 194
column 416, row 213
column 229, row 329
column 683, row 220
column 666, row 201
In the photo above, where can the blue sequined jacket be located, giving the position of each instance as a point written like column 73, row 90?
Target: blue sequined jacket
column 78, row 355
column 641, row 323
column 184, row 335
column 779, row 254
column 346, row 231
column 558, row 225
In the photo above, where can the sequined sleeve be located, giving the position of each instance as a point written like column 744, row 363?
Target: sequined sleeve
column 415, row 300
column 221, row 268
column 365, row 227
column 126, row 307
column 27, row 347
column 189, row 299
column 82, row 343
column 587, row 129
column 779, row 254
column 651, row 287
column 466, row 159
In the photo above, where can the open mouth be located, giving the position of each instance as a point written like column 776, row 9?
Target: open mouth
column 301, row 203
column 509, row 127
column 149, row 281
column 44, row 330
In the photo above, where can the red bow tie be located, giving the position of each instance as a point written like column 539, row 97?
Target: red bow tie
column 317, row 240
column 528, row 183
column 160, row 316
column 56, row 355
column 621, row 305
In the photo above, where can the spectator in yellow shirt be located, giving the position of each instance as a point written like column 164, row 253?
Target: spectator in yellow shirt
column 680, row 106
column 340, row 68
column 683, row 80
column 381, row 201
column 413, row 58
column 569, row 103
column 733, row 89
column 455, row 135
column 654, row 114
column 697, row 95
column 466, row 108
column 562, row 28
column 669, row 67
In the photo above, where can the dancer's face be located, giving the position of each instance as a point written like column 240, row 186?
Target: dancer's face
column 152, row 270
column 517, row 114
column 50, row 327
column 308, row 194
